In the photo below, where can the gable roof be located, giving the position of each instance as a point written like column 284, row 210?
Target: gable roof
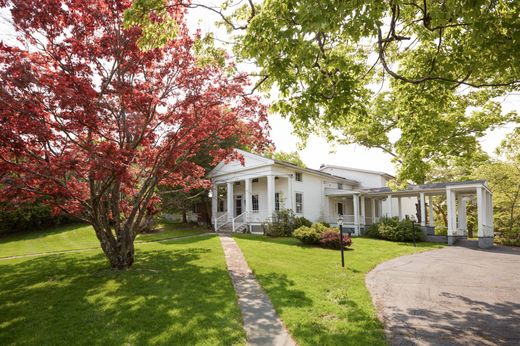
column 315, row 171
column 386, row 175
column 267, row 161
column 247, row 155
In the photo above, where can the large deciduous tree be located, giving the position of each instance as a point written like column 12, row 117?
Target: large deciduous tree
column 93, row 124
column 415, row 78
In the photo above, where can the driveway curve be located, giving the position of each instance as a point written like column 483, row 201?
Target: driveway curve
column 450, row 296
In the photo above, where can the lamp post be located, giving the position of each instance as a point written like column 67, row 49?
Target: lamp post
column 340, row 224
column 413, row 219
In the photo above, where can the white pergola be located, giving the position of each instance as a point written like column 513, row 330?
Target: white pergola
column 457, row 196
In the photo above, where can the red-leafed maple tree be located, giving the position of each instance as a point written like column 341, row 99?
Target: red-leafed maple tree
column 92, row 124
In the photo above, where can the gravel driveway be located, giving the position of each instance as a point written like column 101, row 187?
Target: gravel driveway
column 450, row 296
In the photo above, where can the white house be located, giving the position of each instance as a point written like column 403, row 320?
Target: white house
column 245, row 196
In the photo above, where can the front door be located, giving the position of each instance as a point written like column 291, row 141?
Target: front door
column 340, row 208
column 238, row 205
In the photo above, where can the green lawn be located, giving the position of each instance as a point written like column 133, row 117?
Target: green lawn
column 178, row 292
column 74, row 237
column 319, row 302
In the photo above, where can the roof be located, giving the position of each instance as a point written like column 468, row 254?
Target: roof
column 315, row 171
column 389, row 176
column 287, row 164
column 427, row 187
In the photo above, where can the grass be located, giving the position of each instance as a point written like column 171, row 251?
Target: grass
column 320, row 302
column 76, row 237
column 177, row 292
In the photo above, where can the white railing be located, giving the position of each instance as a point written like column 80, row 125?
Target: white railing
column 369, row 221
column 238, row 221
column 347, row 219
column 220, row 221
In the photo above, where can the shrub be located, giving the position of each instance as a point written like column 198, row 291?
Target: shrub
column 307, row 235
column 326, row 224
column 282, row 225
column 300, row 221
column 319, row 227
column 310, row 235
column 393, row 229
column 28, row 217
column 372, row 231
column 331, row 239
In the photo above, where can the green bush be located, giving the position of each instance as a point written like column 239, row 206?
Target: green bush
column 326, row 224
column 307, row 235
column 394, row 230
column 282, row 225
column 300, row 221
column 310, row 235
column 28, row 217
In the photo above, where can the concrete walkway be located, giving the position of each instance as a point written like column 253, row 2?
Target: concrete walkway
column 262, row 324
column 451, row 296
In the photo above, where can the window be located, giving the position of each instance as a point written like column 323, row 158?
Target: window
column 299, row 202
column 340, row 208
column 221, row 205
column 298, row 176
column 277, row 201
column 237, row 183
column 255, row 180
column 254, row 203
column 340, row 186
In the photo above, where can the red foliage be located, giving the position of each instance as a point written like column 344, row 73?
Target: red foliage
column 331, row 239
column 95, row 124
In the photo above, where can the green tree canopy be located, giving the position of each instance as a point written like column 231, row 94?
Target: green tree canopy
column 417, row 78
column 287, row 156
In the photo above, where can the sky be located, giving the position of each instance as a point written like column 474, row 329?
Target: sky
column 317, row 151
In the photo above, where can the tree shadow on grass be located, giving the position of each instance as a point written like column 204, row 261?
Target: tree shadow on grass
column 167, row 297
column 468, row 321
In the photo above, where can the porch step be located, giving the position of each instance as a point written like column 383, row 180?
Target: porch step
column 227, row 228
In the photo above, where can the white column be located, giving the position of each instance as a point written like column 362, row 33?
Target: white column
column 270, row 196
column 373, row 210
column 214, row 203
column 431, row 220
column 480, row 211
column 363, row 218
column 355, row 199
column 248, row 197
column 399, row 208
column 452, row 214
column 229, row 196
column 390, row 207
column 462, row 226
column 490, row 220
column 423, row 209
column 289, row 204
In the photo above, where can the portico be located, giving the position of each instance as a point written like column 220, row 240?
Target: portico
column 457, row 194
column 250, row 200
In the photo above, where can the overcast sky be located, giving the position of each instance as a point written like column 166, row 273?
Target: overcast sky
column 317, row 150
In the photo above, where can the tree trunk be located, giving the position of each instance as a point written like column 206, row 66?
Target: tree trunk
column 184, row 217
column 118, row 249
